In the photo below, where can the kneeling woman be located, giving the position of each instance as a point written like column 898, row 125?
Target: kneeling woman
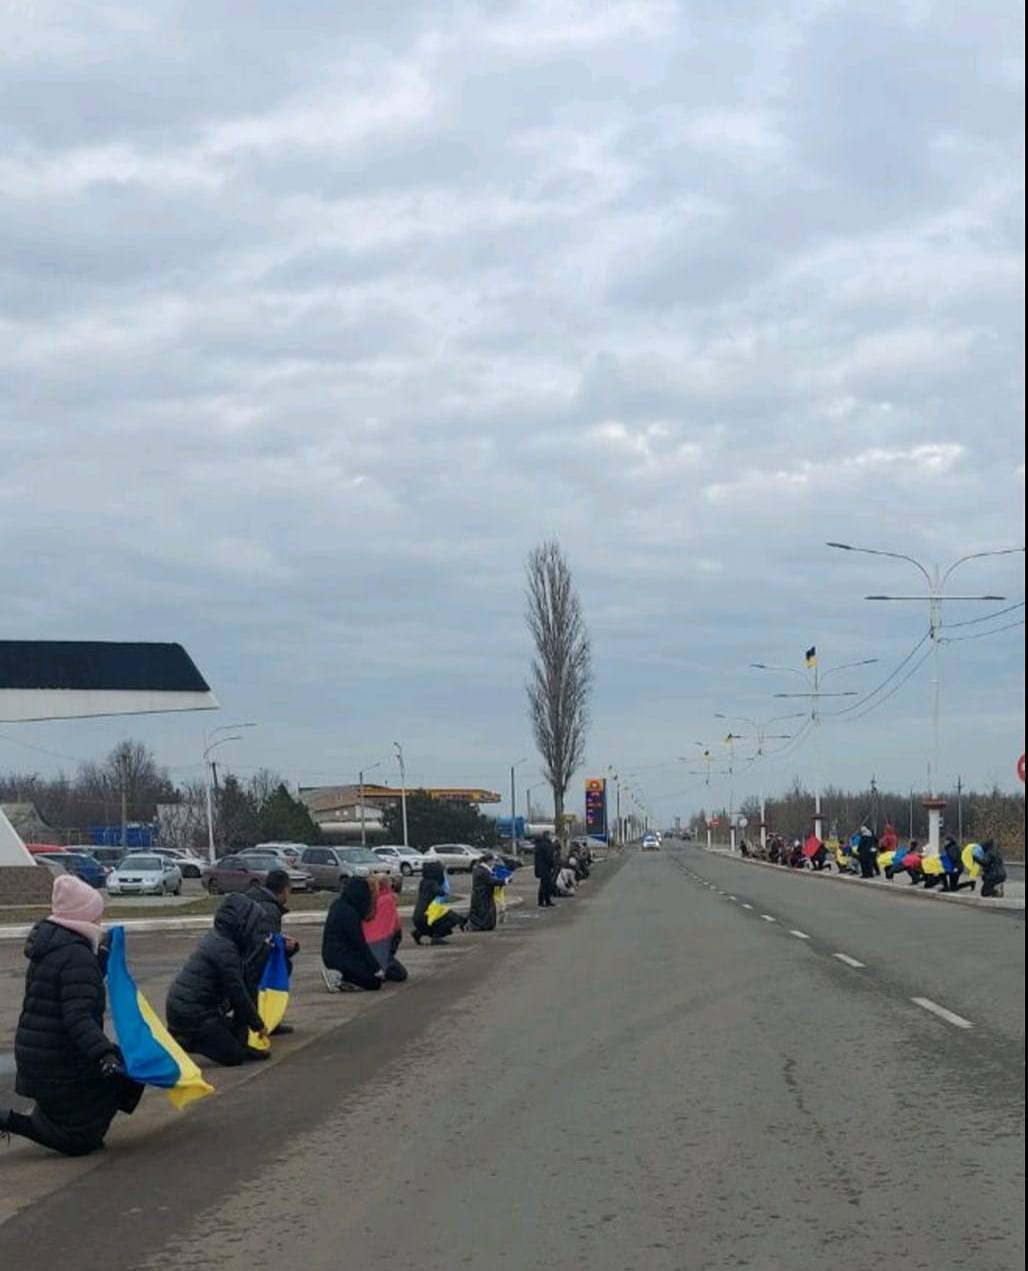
column 432, row 916
column 344, row 950
column 65, row 1060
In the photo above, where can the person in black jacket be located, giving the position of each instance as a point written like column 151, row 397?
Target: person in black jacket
column 543, row 862
column 994, row 871
column 482, row 914
column 65, row 1060
column 344, row 950
column 210, row 1008
column 433, row 886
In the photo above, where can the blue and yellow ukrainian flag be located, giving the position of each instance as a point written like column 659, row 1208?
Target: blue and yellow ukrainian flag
column 152, row 1056
column 435, row 910
column 272, row 992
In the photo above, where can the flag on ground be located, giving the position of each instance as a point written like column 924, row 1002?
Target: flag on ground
column 272, row 992
column 150, row 1053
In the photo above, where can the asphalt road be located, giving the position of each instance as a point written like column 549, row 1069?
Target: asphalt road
column 653, row 1077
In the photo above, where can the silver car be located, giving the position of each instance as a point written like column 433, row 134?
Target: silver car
column 331, row 866
column 455, row 856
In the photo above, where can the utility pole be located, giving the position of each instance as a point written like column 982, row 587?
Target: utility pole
column 211, row 741
column 403, row 790
column 936, row 579
column 123, row 779
column 960, row 813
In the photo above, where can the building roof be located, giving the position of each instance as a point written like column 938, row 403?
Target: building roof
column 328, row 798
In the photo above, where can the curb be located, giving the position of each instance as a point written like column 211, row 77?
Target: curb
column 1010, row 904
column 201, row 922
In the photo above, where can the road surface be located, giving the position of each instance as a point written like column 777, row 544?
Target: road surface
column 656, row 1076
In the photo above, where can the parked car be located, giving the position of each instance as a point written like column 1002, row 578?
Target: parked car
column 288, row 852
column 409, row 859
column 650, row 843
column 145, row 874
column 331, row 866
column 109, row 857
column 189, row 863
column 85, row 867
column 239, row 871
column 455, row 856
column 52, row 861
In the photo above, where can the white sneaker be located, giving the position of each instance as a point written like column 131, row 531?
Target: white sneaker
column 332, row 980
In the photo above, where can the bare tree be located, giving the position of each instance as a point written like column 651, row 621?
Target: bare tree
column 560, row 679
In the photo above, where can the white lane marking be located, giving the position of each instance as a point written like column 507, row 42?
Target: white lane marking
column 731, row 897
column 927, row 1004
column 845, row 957
column 800, row 935
column 768, row 918
column 745, row 906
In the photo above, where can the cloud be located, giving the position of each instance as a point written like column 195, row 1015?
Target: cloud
column 313, row 321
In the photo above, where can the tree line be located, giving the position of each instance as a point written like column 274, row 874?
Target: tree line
column 974, row 814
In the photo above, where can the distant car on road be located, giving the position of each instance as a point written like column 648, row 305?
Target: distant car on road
column 408, row 859
column 239, row 872
column 650, row 843
column 145, row 874
column 455, row 856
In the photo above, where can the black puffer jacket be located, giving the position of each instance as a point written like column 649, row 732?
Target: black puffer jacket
column 60, row 1038
column 270, row 903
column 343, row 946
column 214, row 979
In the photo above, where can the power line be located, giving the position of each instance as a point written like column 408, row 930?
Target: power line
column 996, row 613
column 855, row 706
column 895, row 688
column 978, row 635
column 42, row 750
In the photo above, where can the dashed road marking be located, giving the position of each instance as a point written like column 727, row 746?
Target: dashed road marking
column 950, row 1017
column 800, row 935
column 745, row 906
column 732, row 897
column 768, row 918
column 845, row 957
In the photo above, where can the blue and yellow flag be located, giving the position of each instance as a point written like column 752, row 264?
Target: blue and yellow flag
column 152, row 1056
column 810, row 657
column 272, row 992
column 436, row 909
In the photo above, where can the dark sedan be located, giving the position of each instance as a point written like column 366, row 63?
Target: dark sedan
column 236, row 873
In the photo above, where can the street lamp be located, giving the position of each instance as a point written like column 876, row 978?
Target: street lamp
column 360, row 793
column 211, row 741
column 403, row 789
column 528, row 799
column 617, row 806
column 814, row 693
column 762, row 736
column 514, row 807
column 936, row 579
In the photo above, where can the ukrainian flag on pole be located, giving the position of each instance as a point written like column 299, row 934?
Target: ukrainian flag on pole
column 272, row 992
column 152, row 1056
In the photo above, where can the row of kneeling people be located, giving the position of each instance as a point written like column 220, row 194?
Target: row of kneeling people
column 74, row 1071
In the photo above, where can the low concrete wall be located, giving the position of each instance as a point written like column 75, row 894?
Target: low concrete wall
column 25, row 885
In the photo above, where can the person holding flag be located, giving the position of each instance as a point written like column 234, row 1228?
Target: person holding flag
column 65, row 1060
column 211, row 1009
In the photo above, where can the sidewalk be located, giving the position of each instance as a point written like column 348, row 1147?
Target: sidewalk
column 899, row 886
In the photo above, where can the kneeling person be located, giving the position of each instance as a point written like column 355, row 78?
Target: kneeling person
column 344, row 950
column 210, row 1008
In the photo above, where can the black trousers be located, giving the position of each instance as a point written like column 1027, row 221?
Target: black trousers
column 71, row 1130
column 546, row 891
column 222, row 1040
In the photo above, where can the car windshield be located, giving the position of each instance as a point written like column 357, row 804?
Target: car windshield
column 142, row 863
column 359, row 856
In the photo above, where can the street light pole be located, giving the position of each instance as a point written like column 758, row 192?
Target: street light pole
column 936, row 579
column 403, row 790
column 814, row 694
column 514, row 807
column 762, row 736
column 360, row 795
column 211, row 741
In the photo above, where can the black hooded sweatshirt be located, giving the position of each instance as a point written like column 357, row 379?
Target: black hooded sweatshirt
column 432, row 887
column 60, row 1039
column 214, row 979
column 343, row 946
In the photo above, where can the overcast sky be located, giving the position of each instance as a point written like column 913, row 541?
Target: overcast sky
column 314, row 318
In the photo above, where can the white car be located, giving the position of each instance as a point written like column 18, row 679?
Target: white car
column 288, row 853
column 189, row 863
column 455, row 856
column 145, row 874
column 408, row 859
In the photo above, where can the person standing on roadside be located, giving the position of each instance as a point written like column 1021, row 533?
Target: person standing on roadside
column 866, row 852
column 544, row 867
column 65, row 1060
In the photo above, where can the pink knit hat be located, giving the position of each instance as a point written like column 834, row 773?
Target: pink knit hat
column 77, row 906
